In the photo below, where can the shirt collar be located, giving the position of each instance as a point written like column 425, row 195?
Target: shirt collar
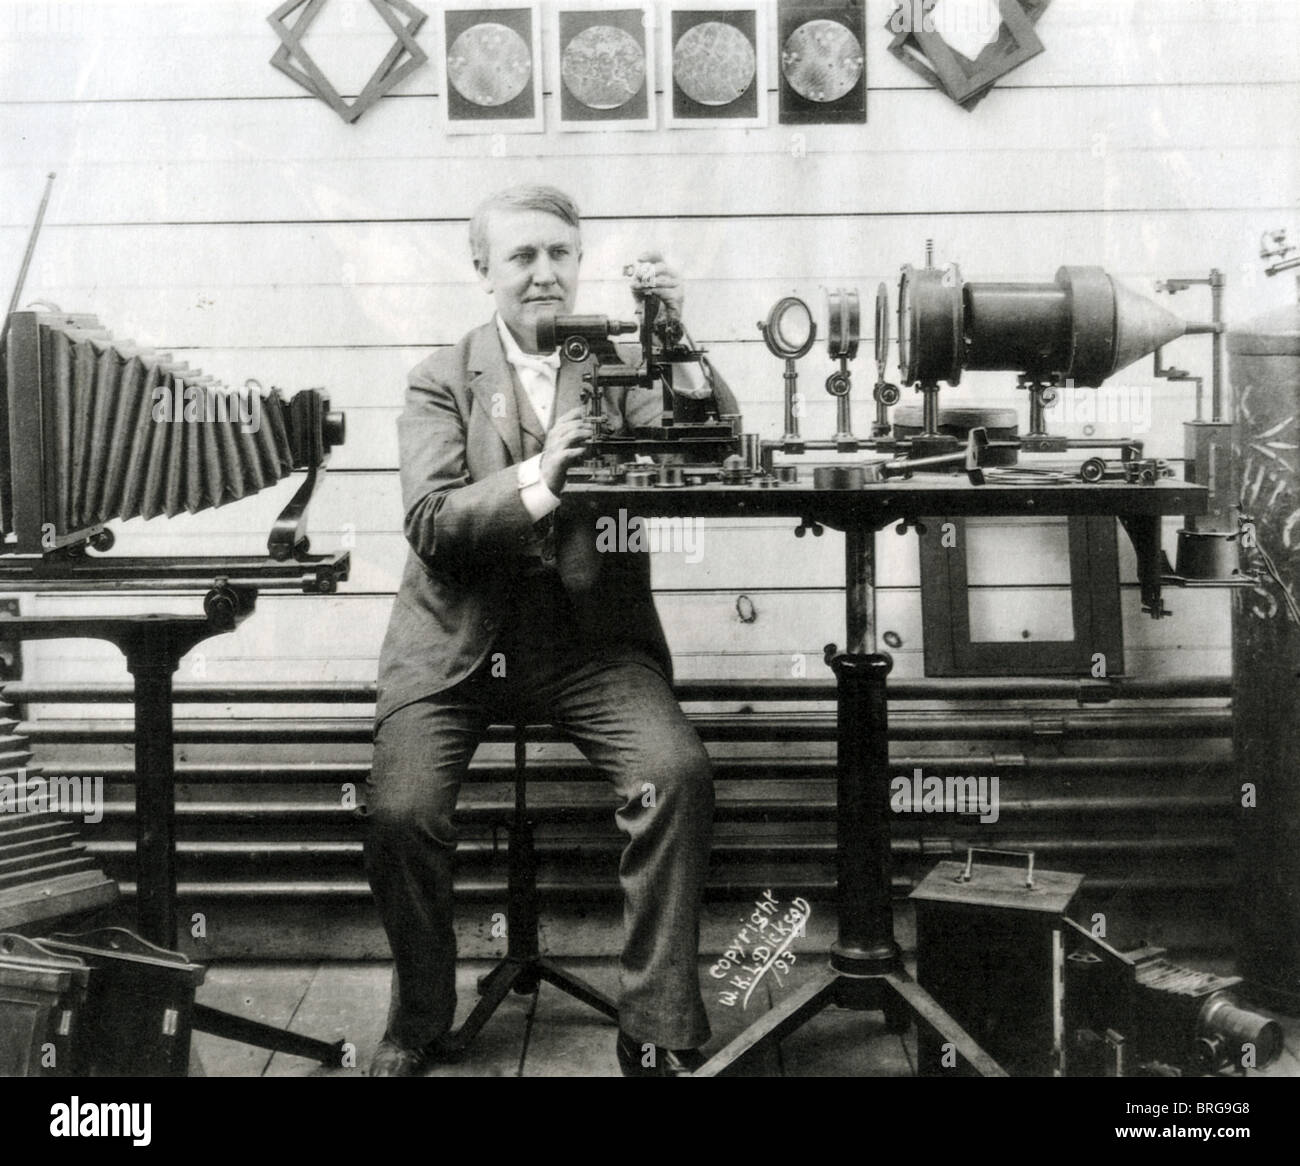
column 546, row 365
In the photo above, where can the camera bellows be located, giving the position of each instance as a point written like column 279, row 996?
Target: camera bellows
column 100, row 428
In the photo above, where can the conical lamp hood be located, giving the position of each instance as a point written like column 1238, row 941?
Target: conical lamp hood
column 1141, row 326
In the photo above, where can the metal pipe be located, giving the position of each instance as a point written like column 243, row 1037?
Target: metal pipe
column 587, row 889
column 561, row 769
column 959, row 688
column 1055, row 724
column 1037, row 412
column 843, row 419
column 1216, row 352
column 790, row 379
column 929, row 409
column 27, row 257
column 817, row 805
column 560, row 850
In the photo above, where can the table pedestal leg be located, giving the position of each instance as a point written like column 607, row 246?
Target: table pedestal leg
column 865, row 972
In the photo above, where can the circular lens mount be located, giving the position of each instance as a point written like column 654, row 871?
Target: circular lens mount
column 843, row 323
column 790, row 330
column 882, row 330
column 930, row 324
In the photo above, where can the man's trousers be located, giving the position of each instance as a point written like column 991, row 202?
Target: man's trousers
column 615, row 705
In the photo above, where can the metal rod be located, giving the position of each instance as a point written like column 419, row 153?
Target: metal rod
column 790, row 379
column 1053, row 725
column 1037, row 412
column 860, row 589
column 312, row 573
column 15, row 299
column 557, row 770
column 843, row 419
column 957, row 688
column 1216, row 367
column 815, row 806
column 929, row 409
column 586, row 888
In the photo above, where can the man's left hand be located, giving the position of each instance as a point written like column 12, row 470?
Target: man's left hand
column 668, row 285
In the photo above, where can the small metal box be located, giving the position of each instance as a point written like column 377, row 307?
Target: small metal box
column 989, row 949
column 61, row 1051
column 139, row 1007
column 29, row 998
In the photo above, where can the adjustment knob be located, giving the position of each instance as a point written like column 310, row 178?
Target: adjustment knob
column 334, row 429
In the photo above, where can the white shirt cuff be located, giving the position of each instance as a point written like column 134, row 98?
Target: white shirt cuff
column 690, row 381
column 533, row 491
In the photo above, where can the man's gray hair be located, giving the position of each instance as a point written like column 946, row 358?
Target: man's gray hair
column 548, row 199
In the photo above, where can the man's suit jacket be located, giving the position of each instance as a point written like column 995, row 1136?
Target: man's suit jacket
column 460, row 438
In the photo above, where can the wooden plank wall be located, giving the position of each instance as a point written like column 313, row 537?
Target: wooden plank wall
column 206, row 205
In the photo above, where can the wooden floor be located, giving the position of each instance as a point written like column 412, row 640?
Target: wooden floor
column 542, row 1035
column 547, row 1034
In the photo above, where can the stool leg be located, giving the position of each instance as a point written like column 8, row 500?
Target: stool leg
column 579, row 989
column 523, row 969
column 494, row 988
column 521, row 909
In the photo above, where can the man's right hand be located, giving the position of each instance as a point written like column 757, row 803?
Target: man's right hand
column 565, row 446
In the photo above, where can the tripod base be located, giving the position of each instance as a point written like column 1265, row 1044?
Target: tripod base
column 523, row 975
column 865, row 971
column 893, row 993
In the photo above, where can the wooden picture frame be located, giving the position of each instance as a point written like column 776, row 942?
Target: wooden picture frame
column 967, row 82
column 296, row 63
column 714, row 65
column 797, row 106
column 485, row 93
column 1095, row 605
column 618, row 31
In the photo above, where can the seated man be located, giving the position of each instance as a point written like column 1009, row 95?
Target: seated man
column 507, row 612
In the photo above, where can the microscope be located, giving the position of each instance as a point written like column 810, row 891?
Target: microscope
column 691, row 440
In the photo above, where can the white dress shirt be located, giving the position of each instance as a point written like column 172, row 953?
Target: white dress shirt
column 538, row 375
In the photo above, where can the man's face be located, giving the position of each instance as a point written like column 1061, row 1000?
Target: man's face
column 532, row 264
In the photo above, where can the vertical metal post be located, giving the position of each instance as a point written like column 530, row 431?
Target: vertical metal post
column 521, row 909
column 929, row 408
column 1216, row 350
column 843, row 418
column 860, row 589
column 866, row 944
column 152, row 665
column 790, row 379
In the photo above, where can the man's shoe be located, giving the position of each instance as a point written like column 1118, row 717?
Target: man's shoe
column 394, row 1060
column 642, row 1059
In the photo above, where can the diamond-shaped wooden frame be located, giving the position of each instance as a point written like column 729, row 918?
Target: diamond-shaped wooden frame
column 968, row 82
column 293, row 60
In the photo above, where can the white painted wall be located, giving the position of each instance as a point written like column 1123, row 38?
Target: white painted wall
column 206, row 205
